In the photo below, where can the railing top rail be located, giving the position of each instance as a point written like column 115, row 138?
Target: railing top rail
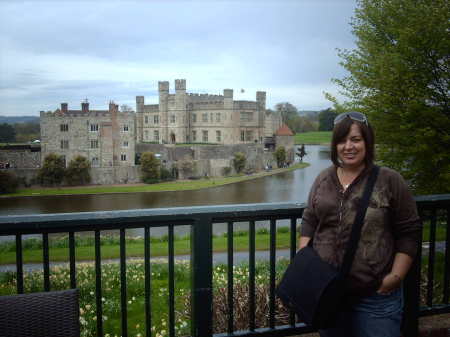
column 438, row 200
column 176, row 215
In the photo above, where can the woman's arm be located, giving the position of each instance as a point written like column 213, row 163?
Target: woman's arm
column 303, row 241
column 402, row 263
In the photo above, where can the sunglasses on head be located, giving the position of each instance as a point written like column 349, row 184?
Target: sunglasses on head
column 356, row 116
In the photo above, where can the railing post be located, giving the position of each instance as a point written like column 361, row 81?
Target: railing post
column 201, row 273
column 412, row 297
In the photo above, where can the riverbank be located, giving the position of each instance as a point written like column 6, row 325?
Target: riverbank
column 183, row 185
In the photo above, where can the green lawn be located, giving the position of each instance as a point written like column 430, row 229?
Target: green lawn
column 160, row 187
column 314, row 137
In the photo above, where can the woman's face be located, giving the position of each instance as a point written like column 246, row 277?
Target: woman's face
column 352, row 149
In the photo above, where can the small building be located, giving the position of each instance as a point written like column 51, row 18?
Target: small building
column 286, row 138
column 105, row 137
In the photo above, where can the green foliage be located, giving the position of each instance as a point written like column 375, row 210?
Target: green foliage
column 52, row 171
column 8, row 182
column 239, row 161
column 290, row 116
column 166, row 174
column 326, row 119
column 26, row 132
column 226, row 171
column 78, row 171
column 316, row 137
column 7, row 133
column 150, row 167
column 399, row 76
column 280, row 156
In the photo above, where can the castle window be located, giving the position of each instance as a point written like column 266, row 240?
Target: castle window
column 205, row 135
column 194, row 136
column 146, row 135
column 218, row 136
column 64, row 143
column 94, row 162
column 242, row 136
column 94, row 144
column 194, row 118
column 125, row 144
column 211, row 117
column 218, row 117
column 156, row 135
column 246, row 116
column 63, row 158
column 249, row 136
column 156, row 119
column 146, row 119
column 204, row 117
column 172, row 118
column 125, row 128
column 64, row 127
column 123, row 157
column 94, row 127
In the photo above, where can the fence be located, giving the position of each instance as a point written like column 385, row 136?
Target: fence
column 434, row 210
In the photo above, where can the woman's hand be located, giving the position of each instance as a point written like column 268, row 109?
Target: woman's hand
column 390, row 282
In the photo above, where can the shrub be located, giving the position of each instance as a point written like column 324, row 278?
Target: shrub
column 150, row 167
column 8, row 182
column 166, row 174
column 239, row 161
column 280, row 156
column 226, row 171
column 52, row 171
column 78, row 171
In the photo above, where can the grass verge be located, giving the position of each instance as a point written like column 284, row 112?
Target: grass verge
column 160, row 187
column 313, row 137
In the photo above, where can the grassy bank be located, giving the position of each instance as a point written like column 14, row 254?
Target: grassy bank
column 59, row 252
column 160, row 187
column 314, row 137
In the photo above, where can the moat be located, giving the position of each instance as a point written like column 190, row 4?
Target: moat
column 288, row 186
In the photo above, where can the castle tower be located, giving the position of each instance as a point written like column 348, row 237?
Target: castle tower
column 228, row 99
column 181, row 111
column 261, row 107
column 163, row 89
column 85, row 106
column 139, row 118
column 114, row 110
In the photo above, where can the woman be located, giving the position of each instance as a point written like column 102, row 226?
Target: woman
column 389, row 236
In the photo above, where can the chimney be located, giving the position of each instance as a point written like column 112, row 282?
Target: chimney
column 64, row 108
column 85, row 106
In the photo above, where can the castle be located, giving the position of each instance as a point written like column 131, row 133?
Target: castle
column 108, row 138
column 201, row 118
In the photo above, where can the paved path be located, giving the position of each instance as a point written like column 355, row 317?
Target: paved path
column 238, row 257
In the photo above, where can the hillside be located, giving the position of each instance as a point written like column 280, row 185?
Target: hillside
column 18, row 119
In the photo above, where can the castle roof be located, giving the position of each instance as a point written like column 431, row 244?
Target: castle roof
column 284, row 131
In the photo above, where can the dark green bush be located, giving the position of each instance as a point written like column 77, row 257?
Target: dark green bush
column 8, row 182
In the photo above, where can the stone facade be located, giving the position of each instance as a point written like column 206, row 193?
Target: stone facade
column 202, row 118
column 105, row 137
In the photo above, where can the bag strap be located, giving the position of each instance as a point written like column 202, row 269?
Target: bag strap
column 357, row 225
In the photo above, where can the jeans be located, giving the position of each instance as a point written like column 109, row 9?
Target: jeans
column 373, row 316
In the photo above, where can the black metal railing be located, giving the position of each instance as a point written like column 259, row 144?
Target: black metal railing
column 425, row 293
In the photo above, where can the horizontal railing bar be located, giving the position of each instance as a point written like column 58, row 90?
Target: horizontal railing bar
column 435, row 310
column 153, row 217
column 281, row 330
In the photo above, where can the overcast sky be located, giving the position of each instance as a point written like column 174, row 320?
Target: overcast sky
column 66, row 51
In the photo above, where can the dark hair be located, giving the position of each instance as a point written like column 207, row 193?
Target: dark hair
column 341, row 131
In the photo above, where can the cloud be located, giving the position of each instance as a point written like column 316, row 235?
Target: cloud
column 117, row 50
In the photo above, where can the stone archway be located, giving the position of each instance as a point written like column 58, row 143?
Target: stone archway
column 172, row 138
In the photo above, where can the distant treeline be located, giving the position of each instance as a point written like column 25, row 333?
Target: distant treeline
column 19, row 129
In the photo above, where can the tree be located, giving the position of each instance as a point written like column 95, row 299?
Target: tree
column 52, row 171
column 27, row 131
column 8, row 182
column 150, row 167
column 7, row 133
column 78, row 171
column 280, row 156
column 326, row 119
column 399, row 76
column 239, row 161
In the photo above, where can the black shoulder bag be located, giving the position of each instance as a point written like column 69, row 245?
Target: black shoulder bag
column 313, row 288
